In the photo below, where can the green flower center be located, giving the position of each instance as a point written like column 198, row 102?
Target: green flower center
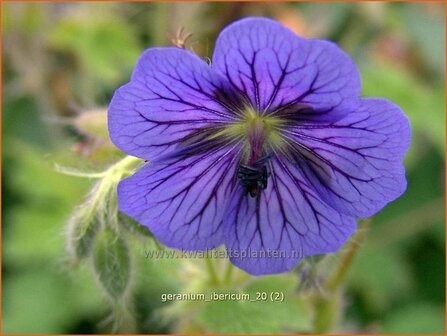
column 256, row 131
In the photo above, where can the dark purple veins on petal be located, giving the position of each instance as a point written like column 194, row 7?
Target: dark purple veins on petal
column 355, row 164
column 182, row 201
column 172, row 93
column 341, row 157
column 275, row 68
column 288, row 217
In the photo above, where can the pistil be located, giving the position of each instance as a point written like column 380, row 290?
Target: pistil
column 256, row 139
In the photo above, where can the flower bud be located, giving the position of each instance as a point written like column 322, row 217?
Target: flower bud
column 93, row 123
column 82, row 229
column 134, row 227
column 112, row 264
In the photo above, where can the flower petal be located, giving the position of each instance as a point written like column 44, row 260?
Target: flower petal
column 182, row 201
column 276, row 69
column 284, row 223
column 172, row 92
column 355, row 164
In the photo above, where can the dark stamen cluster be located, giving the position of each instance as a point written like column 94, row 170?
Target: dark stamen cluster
column 254, row 178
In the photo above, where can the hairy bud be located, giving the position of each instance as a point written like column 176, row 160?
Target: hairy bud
column 82, row 229
column 133, row 227
column 112, row 264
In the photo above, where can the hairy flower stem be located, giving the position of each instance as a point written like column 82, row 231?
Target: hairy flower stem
column 327, row 304
column 346, row 260
column 124, row 166
column 99, row 209
column 111, row 177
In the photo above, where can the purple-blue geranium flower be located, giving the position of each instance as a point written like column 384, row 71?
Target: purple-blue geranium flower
column 269, row 150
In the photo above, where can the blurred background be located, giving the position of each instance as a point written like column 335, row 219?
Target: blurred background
column 61, row 64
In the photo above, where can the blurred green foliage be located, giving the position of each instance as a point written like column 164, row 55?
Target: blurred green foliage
column 63, row 59
column 106, row 47
column 259, row 316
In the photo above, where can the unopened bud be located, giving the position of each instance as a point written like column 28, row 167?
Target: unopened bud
column 82, row 229
column 133, row 227
column 112, row 264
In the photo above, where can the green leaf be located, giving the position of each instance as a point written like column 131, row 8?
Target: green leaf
column 112, row 264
